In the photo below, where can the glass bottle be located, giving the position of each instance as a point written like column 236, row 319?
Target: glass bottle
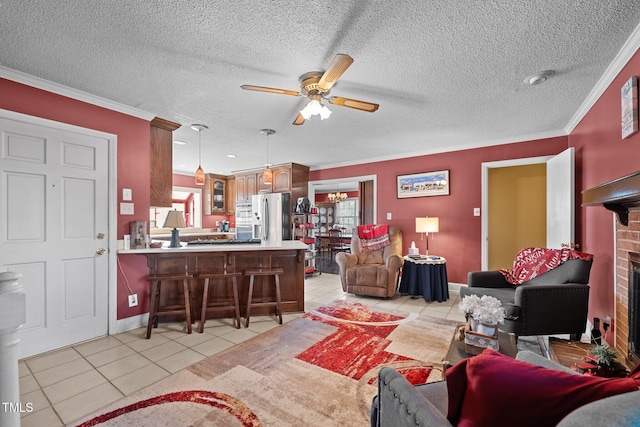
column 596, row 335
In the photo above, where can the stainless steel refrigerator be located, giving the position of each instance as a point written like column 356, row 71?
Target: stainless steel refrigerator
column 271, row 217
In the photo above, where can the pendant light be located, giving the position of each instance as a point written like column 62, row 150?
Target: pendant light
column 200, row 178
column 267, row 175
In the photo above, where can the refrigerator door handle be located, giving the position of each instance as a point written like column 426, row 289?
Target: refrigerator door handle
column 265, row 220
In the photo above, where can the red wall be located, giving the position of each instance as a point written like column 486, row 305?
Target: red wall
column 132, row 163
column 602, row 156
column 459, row 239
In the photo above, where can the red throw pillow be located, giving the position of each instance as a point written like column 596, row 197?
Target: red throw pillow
column 495, row 390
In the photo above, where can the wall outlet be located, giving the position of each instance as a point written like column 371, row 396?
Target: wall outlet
column 133, row 300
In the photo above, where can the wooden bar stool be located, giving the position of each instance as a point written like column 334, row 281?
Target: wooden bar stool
column 206, row 307
column 252, row 273
column 155, row 283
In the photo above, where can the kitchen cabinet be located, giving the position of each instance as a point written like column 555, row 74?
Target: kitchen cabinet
column 287, row 178
column 245, row 187
column 215, row 194
column 262, row 186
column 281, row 179
column 161, row 165
column 230, row 197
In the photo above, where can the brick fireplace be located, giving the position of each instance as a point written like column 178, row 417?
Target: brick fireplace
column 622, row 196
column 628, row 283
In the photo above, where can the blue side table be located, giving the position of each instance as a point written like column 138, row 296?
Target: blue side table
column 425, row 276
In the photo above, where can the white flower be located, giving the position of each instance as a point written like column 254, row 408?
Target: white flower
column 485, row 309
column 469, row 304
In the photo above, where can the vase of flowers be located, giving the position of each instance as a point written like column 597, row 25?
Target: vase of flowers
column 485, row 313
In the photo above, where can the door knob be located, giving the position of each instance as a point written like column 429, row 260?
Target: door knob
column 100, row 236
column 101, row 251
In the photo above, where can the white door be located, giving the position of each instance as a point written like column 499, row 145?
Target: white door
column 54, row 203
column 561, row 200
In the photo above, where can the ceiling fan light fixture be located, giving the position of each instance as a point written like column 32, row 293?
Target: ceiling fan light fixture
column 315, row 108
column 324, row 113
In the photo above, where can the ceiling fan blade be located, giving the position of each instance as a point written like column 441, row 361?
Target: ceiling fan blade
column 353, row 103
column 299, row 120
column 339, row 65
column 270, row 90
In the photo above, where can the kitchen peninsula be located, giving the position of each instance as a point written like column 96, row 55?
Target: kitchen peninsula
column 214, row 258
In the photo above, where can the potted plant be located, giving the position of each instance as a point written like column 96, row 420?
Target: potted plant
column 605, row 359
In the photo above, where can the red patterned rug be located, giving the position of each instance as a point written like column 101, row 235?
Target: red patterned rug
column 319, row 369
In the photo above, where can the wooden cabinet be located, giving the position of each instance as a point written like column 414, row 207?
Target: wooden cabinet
column 262, row 186
column 281, row 179
column 216, row 199
column 287, row 178
column 230, row 197
column 161, row 162
column 245, row 187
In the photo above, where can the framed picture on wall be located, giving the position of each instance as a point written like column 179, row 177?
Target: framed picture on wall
column 629, row 98
column 423, row 184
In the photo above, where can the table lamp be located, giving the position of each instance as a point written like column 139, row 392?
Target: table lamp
column 174, row 219
column 427, row 225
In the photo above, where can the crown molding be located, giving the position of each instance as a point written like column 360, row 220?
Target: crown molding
column 625, row 54
column 39, row 83
column 447, row 149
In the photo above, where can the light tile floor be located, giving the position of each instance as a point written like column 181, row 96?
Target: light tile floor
column 69, row 383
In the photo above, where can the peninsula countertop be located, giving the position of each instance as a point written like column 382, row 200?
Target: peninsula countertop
column 224, row 247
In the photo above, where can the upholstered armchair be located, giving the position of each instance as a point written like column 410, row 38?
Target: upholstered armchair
column 373, row 272
column 555, row 302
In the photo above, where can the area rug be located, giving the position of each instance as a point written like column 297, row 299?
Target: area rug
column 317, row 370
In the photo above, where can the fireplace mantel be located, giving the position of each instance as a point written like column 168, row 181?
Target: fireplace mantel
column 617, row 196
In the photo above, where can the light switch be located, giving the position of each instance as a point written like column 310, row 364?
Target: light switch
column 389, row 215
column 476, row 211
column 126, row 194
column 126, row 208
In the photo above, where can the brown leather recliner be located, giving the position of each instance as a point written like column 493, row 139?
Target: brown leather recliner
column 374, row 273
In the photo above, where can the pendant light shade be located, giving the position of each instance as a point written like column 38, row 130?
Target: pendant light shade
column 267, row 174
column 200, row 178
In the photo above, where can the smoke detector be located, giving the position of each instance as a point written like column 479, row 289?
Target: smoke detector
column 539, row 78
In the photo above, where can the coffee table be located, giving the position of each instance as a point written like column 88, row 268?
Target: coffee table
column 507, row 342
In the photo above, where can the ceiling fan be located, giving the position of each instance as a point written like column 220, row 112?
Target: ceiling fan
column 316, row 86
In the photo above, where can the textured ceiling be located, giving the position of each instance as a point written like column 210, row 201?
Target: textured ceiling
column 447, row 74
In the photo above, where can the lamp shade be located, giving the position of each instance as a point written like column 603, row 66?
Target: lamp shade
column 175, row 219
column 427, row 225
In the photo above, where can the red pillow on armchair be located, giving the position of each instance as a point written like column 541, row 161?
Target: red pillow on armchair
column 495, row 390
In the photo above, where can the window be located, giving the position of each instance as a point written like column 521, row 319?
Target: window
column 347, row 213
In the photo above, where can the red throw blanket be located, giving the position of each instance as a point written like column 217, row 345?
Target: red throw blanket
column 373, row 236
column 532, row 262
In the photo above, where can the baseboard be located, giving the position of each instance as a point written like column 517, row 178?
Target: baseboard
column 455, row 286
column 129, row 323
